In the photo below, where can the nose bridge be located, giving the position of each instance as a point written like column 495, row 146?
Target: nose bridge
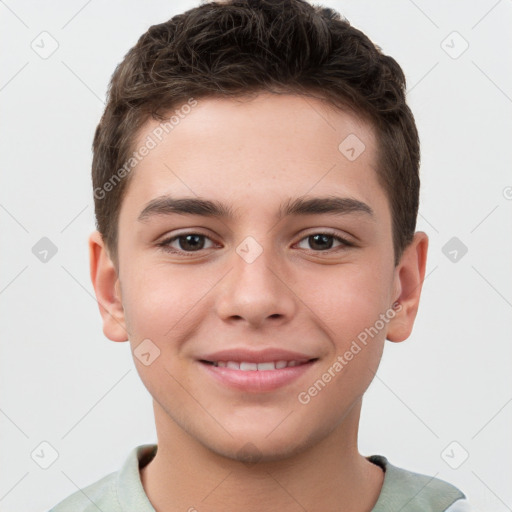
column 254, row 290
column 255, row 264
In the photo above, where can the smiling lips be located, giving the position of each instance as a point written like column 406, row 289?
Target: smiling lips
column 266, row 370
column 247, row 366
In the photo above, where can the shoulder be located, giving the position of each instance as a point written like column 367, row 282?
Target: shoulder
column 99, row 495
column 116, row 492
column 408, row 491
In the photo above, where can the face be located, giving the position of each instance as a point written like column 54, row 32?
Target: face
column 247, row 314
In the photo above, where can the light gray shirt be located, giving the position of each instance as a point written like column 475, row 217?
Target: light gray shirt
column 402, row 490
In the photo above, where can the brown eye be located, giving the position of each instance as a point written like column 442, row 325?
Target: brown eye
column 191, row 242
column 320, row 242
column 324, row 242
column 185, row 243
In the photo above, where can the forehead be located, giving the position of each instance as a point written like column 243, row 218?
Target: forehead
column 253, row 150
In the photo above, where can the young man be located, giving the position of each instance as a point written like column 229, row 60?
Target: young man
column 256, row 188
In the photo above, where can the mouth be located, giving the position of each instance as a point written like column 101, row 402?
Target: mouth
column 248, row 366
column 256, row 372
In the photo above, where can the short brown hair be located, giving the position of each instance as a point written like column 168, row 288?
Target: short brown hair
column 236, row 48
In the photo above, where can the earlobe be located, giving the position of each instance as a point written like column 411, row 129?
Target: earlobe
column 409, row 276
column 107, row 288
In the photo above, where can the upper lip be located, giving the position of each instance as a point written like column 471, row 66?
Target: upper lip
column 255, row 356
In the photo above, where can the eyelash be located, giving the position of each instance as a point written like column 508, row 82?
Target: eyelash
column 165, row 244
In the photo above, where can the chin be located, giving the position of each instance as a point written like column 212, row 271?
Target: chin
column 262, row 448
column 251, row 454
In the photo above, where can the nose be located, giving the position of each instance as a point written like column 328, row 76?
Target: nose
column 256, row 291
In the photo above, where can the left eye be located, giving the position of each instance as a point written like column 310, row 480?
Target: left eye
column 323, row 241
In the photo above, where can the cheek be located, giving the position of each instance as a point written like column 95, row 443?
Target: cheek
column 158, row 298
column 348, row 301
column 149, row 306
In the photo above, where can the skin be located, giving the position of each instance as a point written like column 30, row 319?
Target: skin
column 253, row 155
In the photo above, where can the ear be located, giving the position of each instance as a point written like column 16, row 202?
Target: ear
column 408, row 281
column 107, row 288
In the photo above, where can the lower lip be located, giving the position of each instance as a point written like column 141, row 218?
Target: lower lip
column 257, row 381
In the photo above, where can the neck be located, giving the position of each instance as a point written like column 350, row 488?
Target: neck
column 329, row 475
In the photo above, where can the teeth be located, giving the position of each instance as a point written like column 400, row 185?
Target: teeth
column 266, row 366
column 248, row 367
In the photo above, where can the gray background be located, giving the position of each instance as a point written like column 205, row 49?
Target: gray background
column 64, row 383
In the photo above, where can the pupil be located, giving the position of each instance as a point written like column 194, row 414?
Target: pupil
column 192, row 242
column 314, row 239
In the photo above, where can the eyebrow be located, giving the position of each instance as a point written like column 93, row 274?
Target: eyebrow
column 333, row 205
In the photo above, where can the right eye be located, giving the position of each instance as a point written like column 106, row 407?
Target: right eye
column 185, row 243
